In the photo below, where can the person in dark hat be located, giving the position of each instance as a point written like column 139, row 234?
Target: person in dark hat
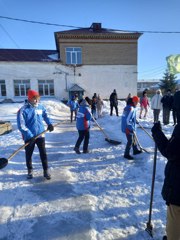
column 176, row 105
column 167, row 102
column 169, row 148
column 94, row 106
column 30, row 119
column 83, row 125
column 113, row 102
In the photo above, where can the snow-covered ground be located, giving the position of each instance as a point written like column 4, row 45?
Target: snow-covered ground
column 97, row 196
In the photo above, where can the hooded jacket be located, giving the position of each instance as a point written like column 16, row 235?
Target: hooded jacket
column 30, row 120
column 83, row 116
column 156, row 101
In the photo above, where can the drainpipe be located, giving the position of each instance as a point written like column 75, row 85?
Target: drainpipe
column 66, row 81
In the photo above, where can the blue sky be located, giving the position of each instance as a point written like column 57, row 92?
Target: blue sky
column 132, row 15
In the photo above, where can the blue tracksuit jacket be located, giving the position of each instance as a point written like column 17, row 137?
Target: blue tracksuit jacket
column 83, row 116
column 128, row 120
column 73, row 104
column 30, row 120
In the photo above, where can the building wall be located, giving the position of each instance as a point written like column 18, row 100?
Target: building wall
column 10, row 71
column 103, row 53
column 100, row 79
column 107, row 63
column 104, row 79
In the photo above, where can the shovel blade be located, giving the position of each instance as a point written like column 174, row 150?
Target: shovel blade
column 3, row 162
column 113, row 141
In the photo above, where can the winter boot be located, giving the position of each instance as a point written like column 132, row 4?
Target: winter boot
column 30, row 174
column 47, row 175
column 77, row 150
column 129, row 157
column 137, row 152
column 86, row 151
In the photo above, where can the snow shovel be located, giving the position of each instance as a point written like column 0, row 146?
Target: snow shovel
column 106, row 137
column 149, row 227
column 4, row 161
column 138, row 143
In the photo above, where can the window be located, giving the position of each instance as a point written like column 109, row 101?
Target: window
column 2, row 88
column 73, row 55
column 21, row 87
column 46, row 87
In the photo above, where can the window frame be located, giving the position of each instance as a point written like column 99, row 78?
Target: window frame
column 21, row 87
column 3, row 92
column 46, row 87
column 73, row 55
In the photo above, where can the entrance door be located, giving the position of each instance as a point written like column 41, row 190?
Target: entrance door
column 78, row 93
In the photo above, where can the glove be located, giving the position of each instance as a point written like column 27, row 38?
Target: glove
column 156, row 127
column 50, row 127
column 31, row 140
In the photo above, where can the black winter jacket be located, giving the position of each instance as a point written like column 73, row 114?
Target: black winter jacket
column 167, row 101
column 171, row 150
column 113, row 99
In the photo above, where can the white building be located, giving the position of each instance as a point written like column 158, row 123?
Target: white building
column 149, row 84
column 87, row 61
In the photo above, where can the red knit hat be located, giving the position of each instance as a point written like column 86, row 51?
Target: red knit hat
column 135, row 99
column 32, row 93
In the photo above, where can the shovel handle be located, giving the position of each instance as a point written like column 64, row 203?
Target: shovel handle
column 145, row 131
column 23, row 146
column 100, row 127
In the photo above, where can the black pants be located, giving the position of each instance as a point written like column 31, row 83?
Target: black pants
column 131, row 142
column 75, row 113
column 40, row 142
column 83, row 135
column 178, row 116
column 116, row 108
column 174, row 113
column 156, row 113
column 166, row 115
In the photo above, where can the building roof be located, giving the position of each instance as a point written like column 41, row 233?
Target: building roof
column 95, row 31
column 28, row 55
column 101, row 32
column 87, row 33
column 76, row 88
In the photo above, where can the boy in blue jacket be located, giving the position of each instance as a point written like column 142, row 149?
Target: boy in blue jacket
column 73, row 105
column 128, row 126
column 83, row 125
column 30, row 123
